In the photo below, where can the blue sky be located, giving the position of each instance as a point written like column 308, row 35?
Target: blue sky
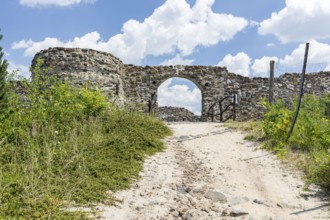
column 241, row 35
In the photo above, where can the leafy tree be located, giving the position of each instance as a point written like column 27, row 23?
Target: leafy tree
column 3, row 75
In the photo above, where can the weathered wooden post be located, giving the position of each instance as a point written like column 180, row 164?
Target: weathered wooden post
column 221, row 111
column 301, row 91
column 152, row 103
column 271, row 82
column 234, row 107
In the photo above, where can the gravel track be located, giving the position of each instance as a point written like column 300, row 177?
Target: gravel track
column 210, row 172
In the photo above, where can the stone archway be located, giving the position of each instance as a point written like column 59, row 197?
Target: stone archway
column 143, row 82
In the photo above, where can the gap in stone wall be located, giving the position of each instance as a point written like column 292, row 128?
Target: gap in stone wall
column 179, row 99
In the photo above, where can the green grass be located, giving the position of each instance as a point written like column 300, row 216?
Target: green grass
column 309, row 146
column 53, row 171
column 309, row 143
column 67, row 147
column 252, row 128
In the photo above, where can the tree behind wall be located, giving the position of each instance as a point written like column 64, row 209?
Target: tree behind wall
column 3, row 75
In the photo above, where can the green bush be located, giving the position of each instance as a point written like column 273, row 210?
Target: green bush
column 62, row 146
column 311, row 135
column 275, row 125
column 3, row 76
column 312, row 131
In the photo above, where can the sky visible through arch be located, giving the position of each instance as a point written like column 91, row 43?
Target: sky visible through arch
column 241, row 35
column 180, row 92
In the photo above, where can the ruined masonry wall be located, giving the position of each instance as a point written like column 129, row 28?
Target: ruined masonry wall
column 175, row 114
column 286, row 87
column 137, row 84
column 140, row 83
column 86, row 66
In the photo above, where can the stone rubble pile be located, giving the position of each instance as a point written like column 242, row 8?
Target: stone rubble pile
column 176, row 114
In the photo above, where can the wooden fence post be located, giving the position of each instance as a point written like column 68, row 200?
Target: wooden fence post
column 271, row 82
column 301, row 91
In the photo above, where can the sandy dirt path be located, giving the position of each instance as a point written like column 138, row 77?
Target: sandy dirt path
column 210, row 172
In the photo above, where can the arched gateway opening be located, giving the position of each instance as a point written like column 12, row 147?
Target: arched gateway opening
column 208, row 80
column 179, row 99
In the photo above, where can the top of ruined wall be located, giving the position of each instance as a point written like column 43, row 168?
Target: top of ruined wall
column 79, row 60
column 286, row 87
column 89, row 61
column 199, row 75
column 315, row 83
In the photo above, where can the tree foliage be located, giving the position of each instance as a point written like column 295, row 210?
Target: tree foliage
column 3, row 75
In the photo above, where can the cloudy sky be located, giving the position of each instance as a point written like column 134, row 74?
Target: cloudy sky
column 241, row 35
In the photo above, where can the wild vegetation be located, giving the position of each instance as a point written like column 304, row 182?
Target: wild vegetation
column 309, row 145
column 3, row 75
column 310, row 140
column 62, row 146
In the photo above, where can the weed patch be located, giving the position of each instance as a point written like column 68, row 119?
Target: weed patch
column 62, row 146
column 309, row 145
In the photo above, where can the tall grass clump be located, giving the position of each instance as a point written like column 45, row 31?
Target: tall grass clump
column 310, row 140
column 62, row 146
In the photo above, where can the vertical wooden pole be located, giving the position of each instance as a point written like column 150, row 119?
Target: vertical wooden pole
column 271, row 82
column 152, row 102
column 234, row 107
column 221, row 116
column 213, row 114
column 301, row 92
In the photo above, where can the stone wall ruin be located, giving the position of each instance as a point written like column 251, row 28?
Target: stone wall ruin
column 139, row 84
column 176, row 114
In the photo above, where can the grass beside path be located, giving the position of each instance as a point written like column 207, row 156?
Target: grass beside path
column 63, row 147
column 309, row 145
column 53, row 170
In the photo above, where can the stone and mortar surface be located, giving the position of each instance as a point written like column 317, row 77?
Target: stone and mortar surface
column 175, row 114
column 137, row 84
column 82, row 66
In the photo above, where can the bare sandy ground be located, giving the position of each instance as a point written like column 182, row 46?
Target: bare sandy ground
column 209, row 172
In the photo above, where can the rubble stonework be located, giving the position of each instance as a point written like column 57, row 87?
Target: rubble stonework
column 139, row 84
column 85, row 66
column 171, row 114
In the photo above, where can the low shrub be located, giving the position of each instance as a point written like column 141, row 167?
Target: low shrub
column 62, row 146
column 310, row 138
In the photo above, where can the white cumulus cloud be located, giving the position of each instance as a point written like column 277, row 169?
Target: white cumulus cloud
column 261, row 66
column 173, row 27
column 318, row 60
column 62, row 3
column 22, row 70
column 91, row 40
column 177, row 60
column 176, row 26
column 179, row 96
column 319, row 53
column 300, row 20
column 239, row 64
